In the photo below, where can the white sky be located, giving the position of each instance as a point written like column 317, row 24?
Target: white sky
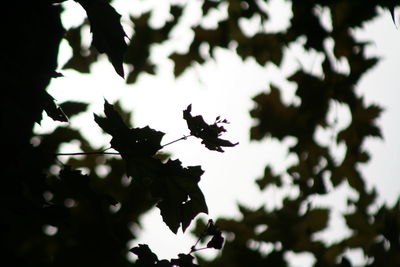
column 225, row 87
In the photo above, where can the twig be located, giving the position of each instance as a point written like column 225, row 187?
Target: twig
column 114, row 153
column 179, row 139
column 202, row 235
column 198, row 249
column 87, row 153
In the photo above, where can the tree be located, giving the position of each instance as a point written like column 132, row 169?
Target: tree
column 37, row 195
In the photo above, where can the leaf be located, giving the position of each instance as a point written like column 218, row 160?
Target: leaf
column 316, row 220
column 52, row 110
column 71, row 108
column 208, row 133
column 81, row 58
column 56, row 74
column 184, row 260
column 180, row 196
column 130, row 142
column 274, row 117
column 145, row 256
column 268, row 179
column 108, row 34
column 392, row 13
column 363, row 124
column 217, row 239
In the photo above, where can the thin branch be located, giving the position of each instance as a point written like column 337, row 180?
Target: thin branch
column 202, row 235
column 179, row 139
column 87, row 153
column 113, row 153
column 198, row 249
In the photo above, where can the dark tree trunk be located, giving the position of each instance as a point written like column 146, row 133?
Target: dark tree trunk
column 31, row 34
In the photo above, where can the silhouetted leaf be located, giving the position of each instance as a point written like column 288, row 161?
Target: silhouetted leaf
column 108, row 34
column 216, row 241
column 392, row 13
column 71, row 108
column 52, row 110
column 184, row 260
column 57, row 74
column 209, row 134
column 180, row 196
column 145, row 256
column 129, row 142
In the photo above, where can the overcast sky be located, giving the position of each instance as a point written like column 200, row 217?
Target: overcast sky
column 225, row 87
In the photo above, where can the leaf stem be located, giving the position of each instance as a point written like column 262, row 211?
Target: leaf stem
column 87, row 153
column 179, row 139
column 203, row 234
column 114, row 153
column 198, row 249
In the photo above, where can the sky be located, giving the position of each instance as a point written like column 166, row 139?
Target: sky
column 224, row 87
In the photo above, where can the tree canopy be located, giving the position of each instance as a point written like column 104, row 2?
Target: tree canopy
column 53, row 214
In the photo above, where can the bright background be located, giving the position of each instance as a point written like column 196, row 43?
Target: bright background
column 225, row 87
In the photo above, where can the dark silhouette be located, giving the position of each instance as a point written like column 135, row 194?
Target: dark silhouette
column 54, row 215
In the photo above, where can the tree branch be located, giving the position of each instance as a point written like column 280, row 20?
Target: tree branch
column 87, row 153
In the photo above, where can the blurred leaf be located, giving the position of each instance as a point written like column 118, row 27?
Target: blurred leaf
column 268, row 179
column 71, row 108
column 274, row 117
column 81, row 58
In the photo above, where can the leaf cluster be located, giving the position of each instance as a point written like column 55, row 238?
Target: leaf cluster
column 174, row 187
column 147, row 258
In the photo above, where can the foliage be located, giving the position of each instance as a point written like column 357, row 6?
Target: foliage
column 92, row 213
column 179, row 197
column 147, row 258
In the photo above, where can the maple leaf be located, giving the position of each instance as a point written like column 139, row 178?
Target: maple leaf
column 108, row 34
column 209, row 134
column 180, row 196
column 128, row 141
